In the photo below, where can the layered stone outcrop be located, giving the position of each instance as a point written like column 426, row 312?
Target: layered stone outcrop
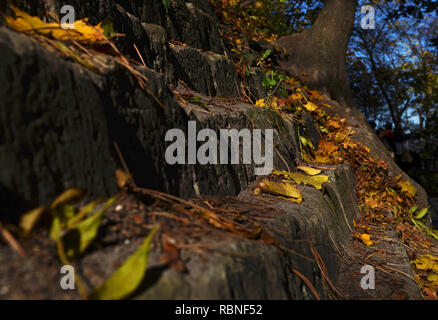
column 59, row 123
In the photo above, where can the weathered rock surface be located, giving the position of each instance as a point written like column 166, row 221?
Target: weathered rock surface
column 59, row 122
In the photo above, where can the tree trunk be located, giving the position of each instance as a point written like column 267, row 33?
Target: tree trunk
column 317, row 55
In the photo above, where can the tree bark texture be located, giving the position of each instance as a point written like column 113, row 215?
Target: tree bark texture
column 317, row 55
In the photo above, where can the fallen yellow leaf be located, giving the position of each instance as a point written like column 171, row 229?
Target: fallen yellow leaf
column 427, row 262
column 283, row 189
column 29, row 219
column 315, row 181
column 366, row 239
column 81, row 31
column 406, row 186
column 260, row 103
column 73, row 194
column 309, row 170
column 310, row 106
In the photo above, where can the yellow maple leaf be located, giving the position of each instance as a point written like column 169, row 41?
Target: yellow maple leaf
column 315, row 181
column 427, row 262
column 406, row 186
column 310, row 106
column 261, row 103
column 81, row 31
column 366, row 239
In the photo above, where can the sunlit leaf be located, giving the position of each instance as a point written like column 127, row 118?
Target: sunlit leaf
column 29, row 219
column 282, row 189
column 82, row 213
column 128, row 277
column 407, row 186
column 309, row 170
column 82, row 32
column 260, row 103
column 122, row 178
column 371, row 202
column 366, row 239
column 422, row 213
column 327, row 147
column 427, row 262
column 79, row 237
column 69, row 195
column 412, row 209
column 314, row 181
column 73, row 55
column 310, row 106
column 55, row 229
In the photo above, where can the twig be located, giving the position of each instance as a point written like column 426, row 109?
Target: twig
column 282, row 159
column 139, row 54
column 309, row 284
column 125, row 167
column 323, row 269
column 124, row 62
column 294, row 253
column 9, row 238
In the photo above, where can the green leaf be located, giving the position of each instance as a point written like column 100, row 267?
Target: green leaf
column 128, row 277
column 55, row 229
column 82, row 214
column 78, row 238
column 421, row 213
column 108, row 28
column 412, row 209
column 267, row 54
column 303, row 141
column 420, row 226
column 60, row 217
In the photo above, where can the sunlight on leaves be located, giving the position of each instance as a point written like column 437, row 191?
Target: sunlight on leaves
column 314, row 181
column 366, row 239
column 309, row 170
column 128, row 277
column 406, row 186
column 30, row 219
column 73, row 194
column 285, row 190
column 82, row 32
column 85, row 232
